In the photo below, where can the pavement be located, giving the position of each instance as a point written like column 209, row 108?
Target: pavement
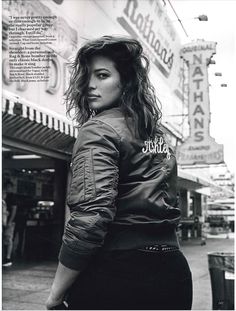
column 198, row 262
column 26, row 285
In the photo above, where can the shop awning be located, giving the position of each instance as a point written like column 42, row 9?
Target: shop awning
column 36, row 128
column 191, row 182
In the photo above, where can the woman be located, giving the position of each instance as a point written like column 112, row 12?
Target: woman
column 120, row 249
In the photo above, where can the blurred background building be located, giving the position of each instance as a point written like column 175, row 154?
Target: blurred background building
column 38, row 137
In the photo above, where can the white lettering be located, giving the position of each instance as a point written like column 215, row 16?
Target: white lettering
column 156, row 146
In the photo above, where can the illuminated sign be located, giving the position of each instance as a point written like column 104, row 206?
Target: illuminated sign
column 199, row 147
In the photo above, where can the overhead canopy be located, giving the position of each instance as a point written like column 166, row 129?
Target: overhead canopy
column 190, row 182
column 33, row 127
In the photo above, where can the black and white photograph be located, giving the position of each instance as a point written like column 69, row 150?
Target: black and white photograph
column 118, row 154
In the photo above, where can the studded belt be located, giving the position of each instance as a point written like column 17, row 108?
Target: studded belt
column 158, row 248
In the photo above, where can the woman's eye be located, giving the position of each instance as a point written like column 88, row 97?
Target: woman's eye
column 102, row 75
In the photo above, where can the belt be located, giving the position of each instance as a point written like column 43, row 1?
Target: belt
column 158, row 248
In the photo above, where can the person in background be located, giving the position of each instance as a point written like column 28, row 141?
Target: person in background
column 24, row 204
column 9, row 205
column 120, row 249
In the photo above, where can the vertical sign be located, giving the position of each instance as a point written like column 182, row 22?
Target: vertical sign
column 200, row 147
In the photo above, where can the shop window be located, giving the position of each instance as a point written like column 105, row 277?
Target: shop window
column 26, row 187
column 47, row 192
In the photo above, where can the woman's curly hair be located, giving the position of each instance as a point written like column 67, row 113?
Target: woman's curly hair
column 138, row 101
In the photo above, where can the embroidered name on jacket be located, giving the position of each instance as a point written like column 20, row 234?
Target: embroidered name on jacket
column 157, row 145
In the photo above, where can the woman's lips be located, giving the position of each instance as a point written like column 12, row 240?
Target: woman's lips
column 91, row 97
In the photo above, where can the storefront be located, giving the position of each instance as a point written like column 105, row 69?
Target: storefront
column 35, row 158
column 38, row 138
column 193, row 193
column 39, row 185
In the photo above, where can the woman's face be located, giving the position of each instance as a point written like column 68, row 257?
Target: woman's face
column 104, row 88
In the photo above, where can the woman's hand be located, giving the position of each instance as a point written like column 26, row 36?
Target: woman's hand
column 53, row 301
column 63, row 280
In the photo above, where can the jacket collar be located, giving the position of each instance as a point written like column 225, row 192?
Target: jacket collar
column 115, row 111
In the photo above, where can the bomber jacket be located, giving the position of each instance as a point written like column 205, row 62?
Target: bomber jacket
column 122, row 193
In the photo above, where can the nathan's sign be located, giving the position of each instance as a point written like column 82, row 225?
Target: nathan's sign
column 148, row 22
column 199, row 147
column 141, row 24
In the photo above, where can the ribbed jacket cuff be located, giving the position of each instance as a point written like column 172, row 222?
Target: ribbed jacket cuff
column 71, row 259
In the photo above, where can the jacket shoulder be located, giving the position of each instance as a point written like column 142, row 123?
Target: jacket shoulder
column 114, row 118
column 96, row 132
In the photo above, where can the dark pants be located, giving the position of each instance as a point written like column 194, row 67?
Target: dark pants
column 134, row 280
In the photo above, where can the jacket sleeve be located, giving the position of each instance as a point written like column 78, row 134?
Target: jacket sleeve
column 92, row 194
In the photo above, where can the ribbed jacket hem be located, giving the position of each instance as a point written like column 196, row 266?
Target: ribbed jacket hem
column 72, row 260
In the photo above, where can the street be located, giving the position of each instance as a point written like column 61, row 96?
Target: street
column 26, row 286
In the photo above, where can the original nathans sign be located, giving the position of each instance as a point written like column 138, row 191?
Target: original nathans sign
column 147, row 21
column 199, row 147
